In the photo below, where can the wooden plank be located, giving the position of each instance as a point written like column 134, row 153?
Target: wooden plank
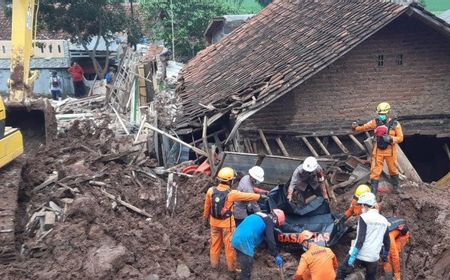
column 248, row 145
column 129, row 206
column 367, row 134
column 339, row 143
column 205, row 142
column 195, row 149
column 282, row 147
column 310, row 147
column 406, row 167
column 322, row 146
column 264, row 140
column 356, row 141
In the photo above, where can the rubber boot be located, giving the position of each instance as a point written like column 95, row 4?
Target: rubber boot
column 374, row 186
column 395, row 181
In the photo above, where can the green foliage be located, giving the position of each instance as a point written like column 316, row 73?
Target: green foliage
column 264, row 2
column 190, row 20
column 87, row 20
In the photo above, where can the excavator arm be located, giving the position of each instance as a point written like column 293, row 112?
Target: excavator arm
column 22, row 34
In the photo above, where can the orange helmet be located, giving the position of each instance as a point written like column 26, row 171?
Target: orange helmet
column 279, row 214
column 226, row 174
column 305, row 235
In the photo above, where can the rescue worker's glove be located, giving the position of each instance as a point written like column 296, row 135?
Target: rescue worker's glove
column 388, row 139
column 263, row 197
column 353, row 254
column 279, row 261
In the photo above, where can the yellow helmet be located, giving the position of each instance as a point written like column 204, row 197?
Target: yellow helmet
column 226, row 174
column 383, row 108
column 361, row 189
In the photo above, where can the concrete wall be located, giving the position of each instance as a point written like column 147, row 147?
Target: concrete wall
column 351, row 88
column 42, row 84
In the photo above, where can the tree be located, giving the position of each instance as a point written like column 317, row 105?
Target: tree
column 88, row 20
column 183, row 21
column 264, row 2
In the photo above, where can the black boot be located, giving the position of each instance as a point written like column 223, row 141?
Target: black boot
column 395, row 181
column 374, row 185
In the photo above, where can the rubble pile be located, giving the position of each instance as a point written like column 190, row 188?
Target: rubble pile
column 93, row 211
column 94, row 205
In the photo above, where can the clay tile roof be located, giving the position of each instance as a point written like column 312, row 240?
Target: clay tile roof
column 276, row 50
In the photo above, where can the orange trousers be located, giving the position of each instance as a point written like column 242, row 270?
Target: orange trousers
column 221, row 237
column 378, row 159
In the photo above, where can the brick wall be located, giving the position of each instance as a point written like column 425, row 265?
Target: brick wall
column 351, row 88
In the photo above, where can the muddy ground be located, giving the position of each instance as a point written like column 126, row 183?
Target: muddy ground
column 100, row 239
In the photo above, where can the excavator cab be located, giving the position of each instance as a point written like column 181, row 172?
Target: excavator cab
column 11, row 143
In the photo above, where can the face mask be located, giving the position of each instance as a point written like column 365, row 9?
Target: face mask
column 304, row 248
column 382, row 118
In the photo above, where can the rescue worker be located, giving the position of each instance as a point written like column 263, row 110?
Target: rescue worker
column 317, row 262
column 218, row 209
column 399, row 238
column 355, row 208
column 255, row 229
column 372, row 234
column 307, row 177
column 388, row 133
column 248, row 184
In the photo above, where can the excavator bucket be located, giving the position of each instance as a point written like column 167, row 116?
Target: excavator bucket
column 35, row 120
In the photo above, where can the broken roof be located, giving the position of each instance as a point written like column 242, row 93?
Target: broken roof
column 275, row 51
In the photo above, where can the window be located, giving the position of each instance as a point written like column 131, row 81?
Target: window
column 399, row 59
column 3, row 49
column 380, row 60
column 59, row 48
column 50, row 48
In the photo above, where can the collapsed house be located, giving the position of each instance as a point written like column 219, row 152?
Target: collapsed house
column 293, row 78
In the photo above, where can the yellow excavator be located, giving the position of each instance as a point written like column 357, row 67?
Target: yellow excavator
column 20, row 110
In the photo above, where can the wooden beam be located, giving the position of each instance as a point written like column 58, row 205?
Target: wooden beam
column 322, row 146
column 248, row 146
column 310, row 147
column 264, row 140
column 360, row 146
column 205, row 142
column 406, row 166
column 339, row 143
column 195, row 149
column 282, row 147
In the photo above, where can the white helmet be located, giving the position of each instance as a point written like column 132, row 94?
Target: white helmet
column 257, row 173
column 310, row 164
column 367, row 199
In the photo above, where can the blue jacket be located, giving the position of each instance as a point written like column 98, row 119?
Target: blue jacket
column 252, row 232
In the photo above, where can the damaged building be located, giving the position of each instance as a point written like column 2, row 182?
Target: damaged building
column 293, row 78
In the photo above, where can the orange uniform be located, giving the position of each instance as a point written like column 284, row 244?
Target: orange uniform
column 398, row 242
column 355, row 209
column 222, row 229
column 389, row 154
column 318, row 263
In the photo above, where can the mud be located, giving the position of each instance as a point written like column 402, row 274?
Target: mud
column 100, row 239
